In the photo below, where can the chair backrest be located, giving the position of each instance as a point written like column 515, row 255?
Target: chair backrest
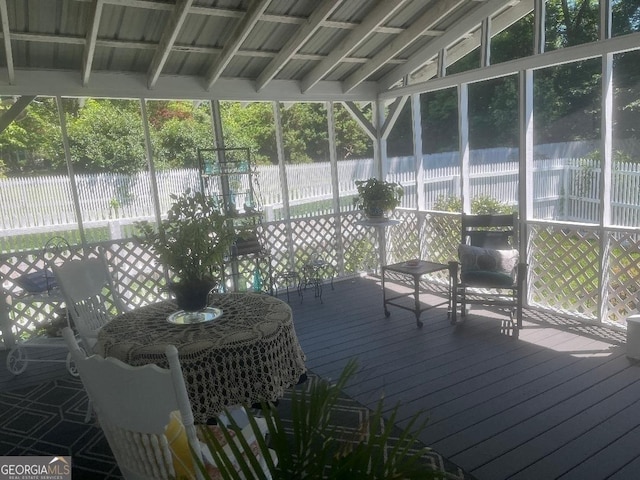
column 90, row 295
column 490, row 231
column 55, row 252
column 134, row 406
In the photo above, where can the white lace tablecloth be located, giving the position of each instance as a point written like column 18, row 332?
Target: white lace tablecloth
column 250, row 354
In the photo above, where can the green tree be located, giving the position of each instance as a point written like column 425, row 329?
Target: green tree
column 178, row 129
column 106, row 135
column 251, row 126
column 32, row 144
column 305, row 131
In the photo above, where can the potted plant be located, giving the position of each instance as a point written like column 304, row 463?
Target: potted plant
column 377, row 197
column 191, row 243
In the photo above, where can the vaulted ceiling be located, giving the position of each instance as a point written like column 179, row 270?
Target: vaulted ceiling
column 239, row 50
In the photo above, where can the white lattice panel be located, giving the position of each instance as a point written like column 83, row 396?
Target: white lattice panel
column 564, row 269
column 440, row 237
column 360, row 244
column 623, row 295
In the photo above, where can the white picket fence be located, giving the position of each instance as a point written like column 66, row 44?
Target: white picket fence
column 563, row 190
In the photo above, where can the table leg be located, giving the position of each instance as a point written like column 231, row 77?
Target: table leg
column 384, row 296
column 416, row 298
column 453, row 292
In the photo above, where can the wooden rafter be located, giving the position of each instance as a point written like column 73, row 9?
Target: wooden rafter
column 468, row 23
column 4, row 18
column 499, row 23
column 90, row 43
column 326, row 8
column 434, row 14
column 242, row 30
column 357, row 36
column 169, row 36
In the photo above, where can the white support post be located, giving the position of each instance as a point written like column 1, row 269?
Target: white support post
column 416, row 117
column 606, row 177
column 463, row 134
column 485, row 43
column 605, row 20
column 152, row 169
column 284, row 184
column 525, row 173
column 539, row 34
column 380, row 146
column 333, row 159
column 72, row 178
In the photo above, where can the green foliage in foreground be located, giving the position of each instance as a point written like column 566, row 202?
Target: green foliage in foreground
column 315, row 448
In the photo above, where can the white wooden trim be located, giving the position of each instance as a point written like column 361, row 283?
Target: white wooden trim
column 284, row 183
column 556, row 57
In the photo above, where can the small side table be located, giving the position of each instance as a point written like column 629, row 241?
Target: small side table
column 314, row 272
column 288, row 278
column 415, row 273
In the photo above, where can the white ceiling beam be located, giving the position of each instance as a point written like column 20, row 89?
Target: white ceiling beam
column 121, row 44
column 561, row 56
column 234, row 13
column 4, row 19
column 434, row 14
column 498, row 24
column 468, row 23
column 242, row 30
column 90, row 45
column 169, row 35
column 172, row 87
column 356, row 37
column 297, row 41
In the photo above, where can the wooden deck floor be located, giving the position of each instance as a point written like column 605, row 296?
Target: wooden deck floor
column 562, row 401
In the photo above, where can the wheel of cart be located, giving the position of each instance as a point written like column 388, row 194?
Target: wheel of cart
column 18, row 358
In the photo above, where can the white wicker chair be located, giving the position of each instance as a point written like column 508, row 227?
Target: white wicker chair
column 90, row 295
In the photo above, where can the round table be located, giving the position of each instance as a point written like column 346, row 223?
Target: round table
column 250, row 354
